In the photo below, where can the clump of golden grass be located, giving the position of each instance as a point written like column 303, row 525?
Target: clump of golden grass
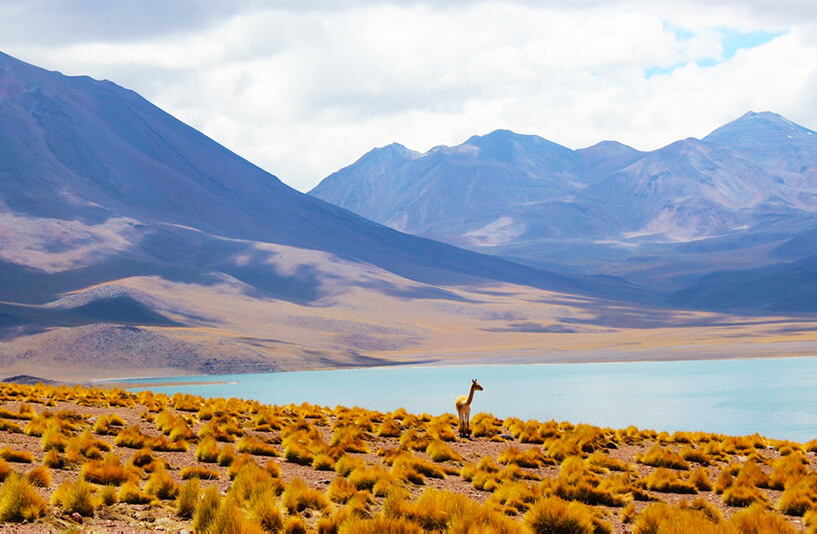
column 130, row 493
column 25, row 412
column 40, row 476
column 199, row 471
column 206, row 509
column 11, row 455
column 109, row 471
column 53, row 459
column 757, row 519
column 439, row 451
column 389, row 428
column 77, row 496
column 515, row 496
column 377, row 525
column 207, row 450
column 188, row 498
column 659, row 456
column 533, row 458
column 20, row 501
column 376, row 479
column 108, row 496
column 349, row 439
column 162, row 485
column 251, row 445
column 700, row 479
column 265, row 508
column 668, row 481
column 799, row 497
column 226, row 456
column 9, row 426
column 578, row 483
column 323, row 462
column 5, row 470
column 552, row 514
column 298, row 496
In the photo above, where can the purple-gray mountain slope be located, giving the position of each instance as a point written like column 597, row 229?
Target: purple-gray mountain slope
column 662, row 218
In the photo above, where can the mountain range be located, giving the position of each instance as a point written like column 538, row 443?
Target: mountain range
column 132, row 244
column 128, row 237
column 738, row 200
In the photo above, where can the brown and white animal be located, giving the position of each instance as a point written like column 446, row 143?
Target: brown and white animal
column 463, row 405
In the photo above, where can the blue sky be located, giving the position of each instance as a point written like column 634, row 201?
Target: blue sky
column 303, row 88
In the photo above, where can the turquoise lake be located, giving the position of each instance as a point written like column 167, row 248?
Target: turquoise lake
column 773, row 397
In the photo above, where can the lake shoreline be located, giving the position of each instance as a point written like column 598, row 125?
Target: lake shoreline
column 129, row 382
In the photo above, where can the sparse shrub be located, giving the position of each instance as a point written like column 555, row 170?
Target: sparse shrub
column 206, row 509
column 130, row 493
column 20, row 501
column 553, row 515
column 741, row 493
column 532, row 458
column 108, row 495
column 199, row 471
column 298, row 454
column 389, row 428
column 265, row 508
column 9, row 426
column 799, row 497
column 10, row 455
column 40, row 476
column 249, row 445
column 700, row 480
column 298, row 496
column 108, row 471
column 188, row 498
column 226, row 456
column 757, row 519
column 659, row 456
column 599, row 459
column 162, row 485
column 76, row 496
column 5, row 470
column 439, row 451
column 323, row 462
column 207, row 450
column 668, row 481
column 377, row 525
column 295, row 525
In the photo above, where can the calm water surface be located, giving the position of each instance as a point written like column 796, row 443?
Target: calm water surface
column 774, row 397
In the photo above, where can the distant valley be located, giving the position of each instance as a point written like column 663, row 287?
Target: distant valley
column 133, row 245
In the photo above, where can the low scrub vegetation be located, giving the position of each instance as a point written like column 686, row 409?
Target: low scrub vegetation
column 217, row 465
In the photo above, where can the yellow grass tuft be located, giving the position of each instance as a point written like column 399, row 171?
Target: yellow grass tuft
column 298, row 496
column 439, row 451
column 77, row 496
column 22, row 457
column 20, row 501
column 552, row 514
column 250, row 445
column 109, row 471
column 162, row 485
column 130, row 493
column 40, row 476
column 188, row 498
column 199, row 471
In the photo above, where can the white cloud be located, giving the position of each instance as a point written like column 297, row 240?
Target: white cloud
column 303, row 89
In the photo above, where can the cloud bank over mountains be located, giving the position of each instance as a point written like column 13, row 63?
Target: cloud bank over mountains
column 303, row 88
